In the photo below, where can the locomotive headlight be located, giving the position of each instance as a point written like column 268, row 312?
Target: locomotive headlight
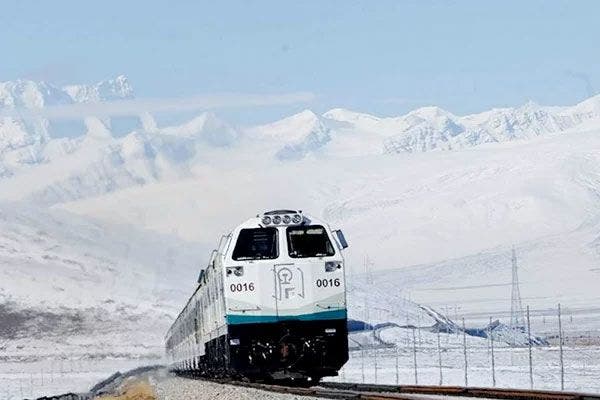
column 266, row 220
column 277, row 220
column 236, row 271
column 297, row 219
column 287, row 219
column 331, row 266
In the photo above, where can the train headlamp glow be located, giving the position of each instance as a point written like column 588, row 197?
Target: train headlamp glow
column 277, row 220
column 266, row 220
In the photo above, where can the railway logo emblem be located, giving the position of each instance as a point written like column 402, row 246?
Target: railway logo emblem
column 286, row 287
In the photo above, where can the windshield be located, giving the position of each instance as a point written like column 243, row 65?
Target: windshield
column 308, row 241
column 256, row 244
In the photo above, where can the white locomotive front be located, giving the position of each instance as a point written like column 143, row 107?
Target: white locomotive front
column 270, row 305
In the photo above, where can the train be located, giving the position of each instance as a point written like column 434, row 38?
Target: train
column 270, row 306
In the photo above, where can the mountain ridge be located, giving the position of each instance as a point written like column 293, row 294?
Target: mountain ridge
column 148, row 153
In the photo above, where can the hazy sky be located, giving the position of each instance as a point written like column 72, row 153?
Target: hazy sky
column 383, row 57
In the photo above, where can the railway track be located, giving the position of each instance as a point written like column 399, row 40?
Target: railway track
column 335, row 390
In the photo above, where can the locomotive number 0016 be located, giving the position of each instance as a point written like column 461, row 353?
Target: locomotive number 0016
column 242, row 287
column 331, row 282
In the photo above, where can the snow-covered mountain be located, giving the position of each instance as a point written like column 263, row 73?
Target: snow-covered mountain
column 104, row 215
column 70, row 285
column 31, row 94
column 432, row 129
column 37, row 165
column 341, row 132
column 118, row 88
column 100, row 155
column 27, row 141
column 294, row 137
column 433, row 206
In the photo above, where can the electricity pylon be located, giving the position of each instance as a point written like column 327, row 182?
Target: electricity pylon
column 516, row 307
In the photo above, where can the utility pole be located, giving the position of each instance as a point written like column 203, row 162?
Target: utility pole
column 368, row 272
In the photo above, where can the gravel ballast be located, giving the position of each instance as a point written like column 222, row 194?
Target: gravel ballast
column 170, row 387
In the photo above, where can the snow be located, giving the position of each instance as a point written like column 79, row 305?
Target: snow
column 35, row 379
column 206, row 127
column 27, row 147
column 116, row 227
column 289, row 129
column 414, row 210
column 111, row 89
column 511, row 366
column 81, row 288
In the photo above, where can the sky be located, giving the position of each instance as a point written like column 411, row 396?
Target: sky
column 383, row 57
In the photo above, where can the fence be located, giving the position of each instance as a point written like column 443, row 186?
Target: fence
column 551, row 349
column 58, row 374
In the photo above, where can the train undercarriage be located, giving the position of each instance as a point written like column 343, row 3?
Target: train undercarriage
column 286, row 352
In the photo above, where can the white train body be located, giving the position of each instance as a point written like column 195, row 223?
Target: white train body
column 272, row 303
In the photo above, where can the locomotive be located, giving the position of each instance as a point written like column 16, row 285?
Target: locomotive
column 270, row 305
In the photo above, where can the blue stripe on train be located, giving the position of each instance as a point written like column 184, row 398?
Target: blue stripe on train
column 257, row 319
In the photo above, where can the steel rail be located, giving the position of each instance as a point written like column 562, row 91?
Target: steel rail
column 339, row 390
column 479, row 392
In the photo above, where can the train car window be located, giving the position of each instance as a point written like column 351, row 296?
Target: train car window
column 308, row 241
column 256, row 244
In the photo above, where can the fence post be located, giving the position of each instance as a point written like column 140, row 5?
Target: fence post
column 397, row 368
column 465, row 353
column 492, row 349
column 419, row 327
column 560, row 347
column 415, row 357
column 407, row 334
column 440, row 357
column 530, row 355
column 375, row 364
column 362, row 363
column 456, row 319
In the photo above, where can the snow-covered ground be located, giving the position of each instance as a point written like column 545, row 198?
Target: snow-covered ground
column 52, row 376
column 72, row 287
column 582, row 365
column 104, row 229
